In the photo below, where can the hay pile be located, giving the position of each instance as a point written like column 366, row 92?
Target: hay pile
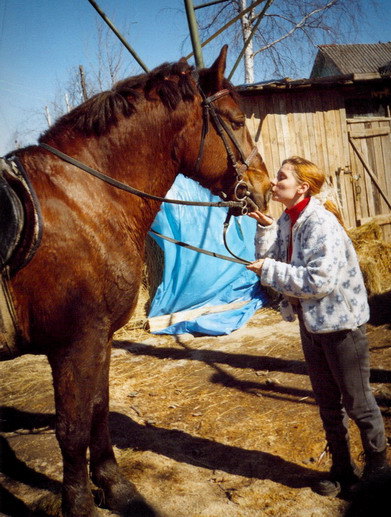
column 151, row 278
column 375, row 257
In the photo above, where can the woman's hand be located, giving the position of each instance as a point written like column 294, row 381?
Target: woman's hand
column 256, row 267
column 261, row 218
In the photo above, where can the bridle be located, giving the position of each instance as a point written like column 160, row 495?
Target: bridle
column 225, row 133
column 241, row 193
column 240, row 189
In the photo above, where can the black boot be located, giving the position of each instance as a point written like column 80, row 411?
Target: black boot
column 343, row 473
column 370, row 497
column 339, row 481
column 376, row 465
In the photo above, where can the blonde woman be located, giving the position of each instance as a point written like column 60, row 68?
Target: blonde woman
column 308, row 257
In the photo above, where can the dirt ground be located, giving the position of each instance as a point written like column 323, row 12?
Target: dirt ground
column 204, row 426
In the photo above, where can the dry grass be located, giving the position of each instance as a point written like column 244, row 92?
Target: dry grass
column 204, row 426
column 375, row 257
column 151, row 278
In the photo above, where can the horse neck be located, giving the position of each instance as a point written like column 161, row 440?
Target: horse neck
column 145, row 150
column 141, row 152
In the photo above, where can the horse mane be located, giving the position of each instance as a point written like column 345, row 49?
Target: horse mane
column 169, row 82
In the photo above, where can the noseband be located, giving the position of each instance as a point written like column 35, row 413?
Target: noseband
column 241, row 192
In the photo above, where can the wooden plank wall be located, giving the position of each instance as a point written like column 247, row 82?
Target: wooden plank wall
column 307, row 123
column 370, row 155
column 312, row 123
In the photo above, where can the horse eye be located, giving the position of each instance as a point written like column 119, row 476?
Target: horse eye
column 237, row 124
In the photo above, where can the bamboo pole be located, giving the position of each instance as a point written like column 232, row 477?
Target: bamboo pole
column 194, row 35
column 119, row 36
column 222, row 29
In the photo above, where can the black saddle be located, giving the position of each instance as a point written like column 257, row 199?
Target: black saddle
column 20, row 216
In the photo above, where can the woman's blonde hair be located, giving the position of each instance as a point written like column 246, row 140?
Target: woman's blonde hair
column 306, row 171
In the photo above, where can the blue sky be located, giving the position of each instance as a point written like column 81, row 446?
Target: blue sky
column 42, row 40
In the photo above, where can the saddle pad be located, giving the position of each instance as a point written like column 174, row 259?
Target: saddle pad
column 20, row 216
column 11, row 221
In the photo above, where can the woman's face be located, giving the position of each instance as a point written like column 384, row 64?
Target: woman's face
column 285, row 187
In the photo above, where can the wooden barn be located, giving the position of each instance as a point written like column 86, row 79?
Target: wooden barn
column 340, row 119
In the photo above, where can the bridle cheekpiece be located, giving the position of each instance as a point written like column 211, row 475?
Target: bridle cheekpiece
column 209, row 111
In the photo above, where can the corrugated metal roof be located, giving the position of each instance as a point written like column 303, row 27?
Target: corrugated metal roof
column 386, row 69
column 358, row 58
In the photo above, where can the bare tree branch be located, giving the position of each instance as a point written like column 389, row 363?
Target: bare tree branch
column 299, row 25
column 288, row 31
column 86, row 81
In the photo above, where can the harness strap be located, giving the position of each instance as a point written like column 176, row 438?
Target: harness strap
column 225, row 230
column 223, row 130
column 220, row 127
column 246, row 163
column 204, row 132
column 215, row 96
column 132, row 190
column 234, row 258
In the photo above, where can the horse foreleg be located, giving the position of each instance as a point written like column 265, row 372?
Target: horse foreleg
column 74, row 389
column 120, row 495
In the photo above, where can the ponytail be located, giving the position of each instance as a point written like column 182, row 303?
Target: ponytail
column 331, row 207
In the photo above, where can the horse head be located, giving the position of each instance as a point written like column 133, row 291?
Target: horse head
column 227, row 162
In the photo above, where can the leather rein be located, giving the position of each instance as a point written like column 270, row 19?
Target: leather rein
column 240, row 190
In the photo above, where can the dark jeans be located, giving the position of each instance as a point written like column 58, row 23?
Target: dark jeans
column 338, row 367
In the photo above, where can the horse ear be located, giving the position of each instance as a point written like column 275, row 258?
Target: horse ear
column 218, row 67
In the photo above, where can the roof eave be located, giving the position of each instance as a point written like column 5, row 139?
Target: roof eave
column 287, row 84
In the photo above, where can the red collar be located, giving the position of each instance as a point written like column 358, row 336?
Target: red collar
column 296, row 210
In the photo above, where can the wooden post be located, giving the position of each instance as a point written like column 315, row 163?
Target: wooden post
column 370, row 172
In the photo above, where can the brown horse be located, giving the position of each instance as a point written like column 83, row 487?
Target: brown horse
column 82, row 283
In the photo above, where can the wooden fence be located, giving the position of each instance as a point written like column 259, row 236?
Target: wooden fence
column 355, row 153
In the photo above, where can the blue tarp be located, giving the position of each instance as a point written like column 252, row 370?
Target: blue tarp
column 192, row 280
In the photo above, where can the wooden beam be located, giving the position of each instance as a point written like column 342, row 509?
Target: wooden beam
column 157, row 323
column 370, row 172
column 360, row 120
column 373, row 131
column 379, row 219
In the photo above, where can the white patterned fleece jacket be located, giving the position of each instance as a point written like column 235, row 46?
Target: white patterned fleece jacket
column 324, row 272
